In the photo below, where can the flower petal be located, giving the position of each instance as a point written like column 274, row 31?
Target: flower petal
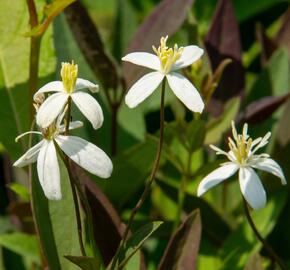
column 86, row 154
column 185, row 91
column 271, row 166
column 89, row 107
column 143, row 88
column 55, row 86
column 50, row 109
column 72, row 125
column 216, row 177
column 29, row 157
column 189, row 55
column 82, row 83
column 252, row 188
column 143, row 59
column 48, row 171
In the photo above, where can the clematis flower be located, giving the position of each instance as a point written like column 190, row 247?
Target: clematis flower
column 243, row 158
column 82, row 152
column 69, row 87
column 165, row 63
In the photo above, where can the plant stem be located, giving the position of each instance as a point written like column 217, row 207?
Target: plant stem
column 149, row 182
column 114, row 128
column 269, row 249
column 71, row 178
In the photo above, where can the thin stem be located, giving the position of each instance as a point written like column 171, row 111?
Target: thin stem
column 149, row 182
column 269, row 249
column 73, row 188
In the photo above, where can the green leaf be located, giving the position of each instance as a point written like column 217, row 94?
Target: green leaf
column 50, row 11
column 63, row 219
column 85, row 263
column 182, row 249
column 217, row 127
column 23, row 244
column 21, row 191
column 135, row 242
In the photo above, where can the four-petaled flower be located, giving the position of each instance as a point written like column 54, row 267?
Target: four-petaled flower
column 165, row 62
column 243, row 157
column 82, row 152
column 69, row 88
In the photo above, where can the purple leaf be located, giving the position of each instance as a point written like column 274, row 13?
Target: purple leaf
column 165, row 19
column 223, row 41
column 182, row 249
column 283, row 37
column 263, row 108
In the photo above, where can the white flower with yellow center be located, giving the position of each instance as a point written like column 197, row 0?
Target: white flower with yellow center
column 165, row 63
column 69, row 87
column 82, row 152
column 243, row 157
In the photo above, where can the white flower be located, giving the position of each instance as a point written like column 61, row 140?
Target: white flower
column 165, row 63
column 68, row 88
column 82, row 152
column 243, row 158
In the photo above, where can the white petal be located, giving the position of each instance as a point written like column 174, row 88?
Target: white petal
column 50, row 109
column 143, row 88
column 271, row 166
column 185, row 91
column 189, row 55
column 252, row 188
column 89, row 107
column 216, row 177
column 29, row 157
column 48, row 171
column 86, row 154
column 143, row 59
column 72, row 125
column 82, row 83
column 55, row 86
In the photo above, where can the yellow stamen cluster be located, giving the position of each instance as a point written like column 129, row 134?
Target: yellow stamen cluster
column 241, row 147
column 50, row 132
column 167, row 56
column 69, row 74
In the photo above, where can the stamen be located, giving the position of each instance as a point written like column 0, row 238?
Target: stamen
column 69, row 74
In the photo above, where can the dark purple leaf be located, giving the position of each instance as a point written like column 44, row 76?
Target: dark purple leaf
column 223, row 41
column 283, row 37
column 263, row 108
column 182, row 249
column 267, row 44
column 165, row 19
column 89, row 40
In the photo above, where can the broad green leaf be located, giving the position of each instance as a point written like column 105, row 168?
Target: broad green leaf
column 63, row 219
column 135, row 242
column 23, row 244
column 217, row 127
column 85, row 263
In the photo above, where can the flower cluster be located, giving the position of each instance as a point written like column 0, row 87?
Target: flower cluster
column 51, row 122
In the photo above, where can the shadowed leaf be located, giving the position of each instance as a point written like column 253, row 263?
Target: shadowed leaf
column 182, row 250
column 85, row 263
column 283, row 36
column 268, row 45
column 254, row 262
column 89, row 40
column 223, row 41
column 165, row 19
column 262, row 109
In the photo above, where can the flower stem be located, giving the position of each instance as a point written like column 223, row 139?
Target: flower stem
column 72, row 182
column 269, row 249
column 149, row 182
